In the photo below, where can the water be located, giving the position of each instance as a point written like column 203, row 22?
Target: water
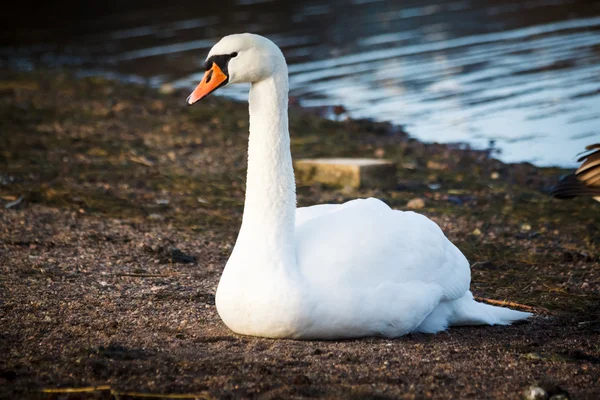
column 524, row 74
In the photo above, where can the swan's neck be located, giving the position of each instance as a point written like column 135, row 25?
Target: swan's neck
column 268, row 224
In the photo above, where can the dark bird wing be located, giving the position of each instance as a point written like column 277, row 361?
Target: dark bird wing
column 589, row 172
column 585, row 181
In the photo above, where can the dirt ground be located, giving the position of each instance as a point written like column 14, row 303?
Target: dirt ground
column 120, row 207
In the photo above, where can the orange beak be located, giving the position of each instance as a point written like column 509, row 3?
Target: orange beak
column 213, row 79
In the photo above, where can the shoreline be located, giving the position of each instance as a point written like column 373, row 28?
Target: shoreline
column 130, row 205
column 324, row 112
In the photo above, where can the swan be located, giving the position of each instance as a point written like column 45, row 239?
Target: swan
column 330, row 271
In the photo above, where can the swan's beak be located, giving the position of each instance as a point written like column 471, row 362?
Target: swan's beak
column 213, row 79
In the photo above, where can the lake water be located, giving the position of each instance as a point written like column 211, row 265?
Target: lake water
column 524, row 74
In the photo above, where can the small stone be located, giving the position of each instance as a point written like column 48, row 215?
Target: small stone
column 347, row 172
column 494, row 175
column 535, row 393
column 533, row 356
column 156, row 217
column 525, row 227
column 97, row 152
column 476, row 232
column 436, row 165
column 416, row 203
column 166, row 88
column 120, row 106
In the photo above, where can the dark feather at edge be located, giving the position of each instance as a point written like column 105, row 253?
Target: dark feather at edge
column 588, row 150
column 589, row 171
column 570, row 187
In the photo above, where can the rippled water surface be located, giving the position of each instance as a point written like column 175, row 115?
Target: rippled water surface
column 524, row 74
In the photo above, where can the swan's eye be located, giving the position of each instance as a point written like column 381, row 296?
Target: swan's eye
column 234, row 54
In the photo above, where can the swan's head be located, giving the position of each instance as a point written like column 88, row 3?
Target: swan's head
column 239, row 58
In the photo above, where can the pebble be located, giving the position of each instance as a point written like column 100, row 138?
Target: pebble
column 547, row 392
column 416, row 203
column 156, row 217
column 535, row 393
column 436, row 165
column 166, row 88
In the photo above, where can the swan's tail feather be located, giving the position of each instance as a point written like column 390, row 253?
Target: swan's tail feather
column 467, row 311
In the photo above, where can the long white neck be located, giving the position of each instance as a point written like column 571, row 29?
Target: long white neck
column 268, row 223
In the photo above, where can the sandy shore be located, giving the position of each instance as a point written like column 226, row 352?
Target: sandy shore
column 123, row 206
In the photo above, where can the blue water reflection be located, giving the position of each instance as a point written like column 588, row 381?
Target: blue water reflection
column 523, row 74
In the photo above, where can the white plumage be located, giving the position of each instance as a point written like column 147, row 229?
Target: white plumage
column 335, row 270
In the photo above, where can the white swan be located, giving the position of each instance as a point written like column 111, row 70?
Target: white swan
column 329, row 271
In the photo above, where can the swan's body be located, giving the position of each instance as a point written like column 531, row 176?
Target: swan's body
column 327, row 271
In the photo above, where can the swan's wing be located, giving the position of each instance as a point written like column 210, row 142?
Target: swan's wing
column 304, row 214
column 364, row 243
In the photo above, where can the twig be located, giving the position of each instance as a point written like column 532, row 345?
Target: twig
column 146, row 275
column 14, row 203
column 77, row 390
column 588, row 322
column 504, row 303
column 162, row 396
column 116, row 393
column 142, row 160
column 555, row 289
column 478, row 262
